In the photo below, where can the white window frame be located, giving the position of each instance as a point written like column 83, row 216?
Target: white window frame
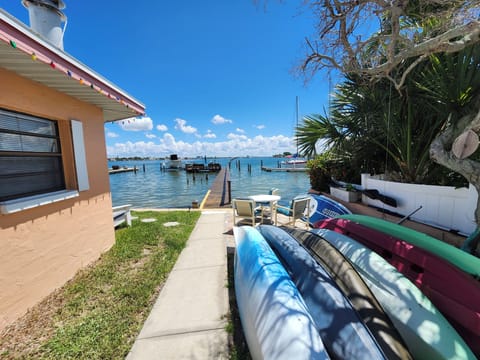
column 29, row 202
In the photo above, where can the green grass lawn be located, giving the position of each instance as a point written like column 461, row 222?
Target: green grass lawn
column 102, row 310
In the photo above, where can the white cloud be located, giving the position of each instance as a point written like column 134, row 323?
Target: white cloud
column 151, row 136
column 136, row 124
column 235, row 145
column 233, row 136
column 111, row 134
column 139, row 148
column 241, row 131
column 183, row 127
column 218, row 119
column 260, row 127
column 162, row 127
column 210, row 135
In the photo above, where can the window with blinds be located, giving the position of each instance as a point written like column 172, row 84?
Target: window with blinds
column 30, row 156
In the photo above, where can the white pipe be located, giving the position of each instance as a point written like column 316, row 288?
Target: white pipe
column 46, row 19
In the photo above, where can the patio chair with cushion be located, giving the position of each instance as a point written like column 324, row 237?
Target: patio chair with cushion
column 245, row 209
column 298, row 210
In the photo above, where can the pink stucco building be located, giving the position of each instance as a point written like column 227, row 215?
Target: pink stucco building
column 55, row 203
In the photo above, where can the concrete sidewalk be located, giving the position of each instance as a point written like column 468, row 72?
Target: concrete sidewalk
column 189, row 318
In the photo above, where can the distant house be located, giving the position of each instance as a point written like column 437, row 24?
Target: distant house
column 55, row 202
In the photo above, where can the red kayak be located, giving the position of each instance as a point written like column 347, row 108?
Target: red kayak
column 455, row 293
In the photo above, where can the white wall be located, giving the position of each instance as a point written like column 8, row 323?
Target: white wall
column 442, row 206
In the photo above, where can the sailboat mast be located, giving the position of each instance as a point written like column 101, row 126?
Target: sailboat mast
column 296, row 115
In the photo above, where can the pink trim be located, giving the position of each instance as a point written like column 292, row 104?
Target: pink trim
column 56, row 62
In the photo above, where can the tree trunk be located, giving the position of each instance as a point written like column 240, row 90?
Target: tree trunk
column 441, row 153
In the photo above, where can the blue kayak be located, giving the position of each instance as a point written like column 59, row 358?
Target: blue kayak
column 322, row 207
column 342, row 330
column 274, row 316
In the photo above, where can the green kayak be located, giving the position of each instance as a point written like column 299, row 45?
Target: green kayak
column 461, row 259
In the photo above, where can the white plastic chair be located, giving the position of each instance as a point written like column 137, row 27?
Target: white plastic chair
column 245, row 209
column 298, row 210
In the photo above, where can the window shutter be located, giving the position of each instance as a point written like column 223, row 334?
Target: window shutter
column 80, row 158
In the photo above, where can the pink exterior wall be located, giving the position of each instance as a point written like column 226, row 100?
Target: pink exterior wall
column 43, row 247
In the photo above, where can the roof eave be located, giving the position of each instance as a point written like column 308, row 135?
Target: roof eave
column 27, row 54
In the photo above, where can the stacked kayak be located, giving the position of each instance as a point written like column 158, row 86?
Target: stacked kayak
column 275, row 319
column 423, row 327
column 320, row 294
column 357, row 292
column 344, row 334
column 461, row 259
column 445, row 274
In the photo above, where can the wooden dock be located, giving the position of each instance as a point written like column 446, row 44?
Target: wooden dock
column 299, row 169
column 122, row 170
column 219, row 194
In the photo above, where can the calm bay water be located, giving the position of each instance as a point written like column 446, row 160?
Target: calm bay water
column 167, row 189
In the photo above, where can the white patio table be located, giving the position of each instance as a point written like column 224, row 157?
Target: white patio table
column 263, row 199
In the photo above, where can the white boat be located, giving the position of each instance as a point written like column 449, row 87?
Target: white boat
column 174, row 163
column 296, row 162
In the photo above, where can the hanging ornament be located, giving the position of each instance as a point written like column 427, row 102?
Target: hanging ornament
column 34, row 56
column 69, row 73
column 81, row 81
column 13, row 44
column 465, row 144
column 52, row 64
column 91, row 86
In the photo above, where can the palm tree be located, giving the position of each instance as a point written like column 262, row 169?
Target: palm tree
column 374, row 127
column 367, row 129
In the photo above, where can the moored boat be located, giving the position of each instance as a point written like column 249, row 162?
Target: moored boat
column 173, row 163
column 201, row 168
column 296, row 162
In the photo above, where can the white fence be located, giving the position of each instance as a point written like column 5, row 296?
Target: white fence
column 442, row 206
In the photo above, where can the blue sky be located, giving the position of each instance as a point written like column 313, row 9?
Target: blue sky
column 215, row 75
